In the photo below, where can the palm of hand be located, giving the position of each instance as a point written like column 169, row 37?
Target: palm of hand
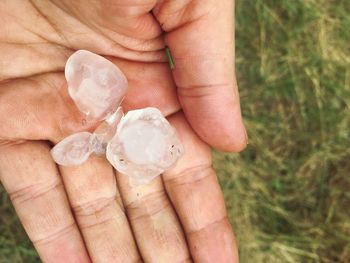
column 179, row 218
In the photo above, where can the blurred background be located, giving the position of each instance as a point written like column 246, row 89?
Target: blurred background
column 288, row 193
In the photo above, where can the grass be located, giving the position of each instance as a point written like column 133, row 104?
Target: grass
column 288, row 193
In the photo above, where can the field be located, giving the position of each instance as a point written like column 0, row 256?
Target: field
column 288, row 193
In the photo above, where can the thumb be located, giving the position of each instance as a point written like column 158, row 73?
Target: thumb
column 200, row 36
column 39, row 108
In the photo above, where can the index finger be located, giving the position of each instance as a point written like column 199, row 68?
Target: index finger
column 200, row 35
column 197, row 198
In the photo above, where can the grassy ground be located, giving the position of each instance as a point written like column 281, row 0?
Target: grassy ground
column 288, row 194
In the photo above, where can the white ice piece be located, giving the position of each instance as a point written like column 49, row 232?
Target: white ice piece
column 144, row 146
column 73, row 150
column 105, row 132
column 76, row 149
column 96, row 85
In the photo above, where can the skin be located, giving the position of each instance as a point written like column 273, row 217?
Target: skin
column 90, row 213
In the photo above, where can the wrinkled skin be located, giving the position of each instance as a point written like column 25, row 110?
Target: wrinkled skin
column 88, row 213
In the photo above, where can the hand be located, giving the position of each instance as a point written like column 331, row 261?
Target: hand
column 89, row 213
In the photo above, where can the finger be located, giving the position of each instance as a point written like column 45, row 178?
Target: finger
column 41, row 108
column 157, row 230
column 125, row 30
column 201, row 39
column 94, row 197
column 38, row 108
column 33, row 183
column 131, row 18
column 19, row 60
column 197, row 198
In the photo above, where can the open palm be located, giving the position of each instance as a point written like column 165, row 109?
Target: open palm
column 90, row 213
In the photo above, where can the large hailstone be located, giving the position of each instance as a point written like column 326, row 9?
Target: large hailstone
column 96, row 85
column 144, row 146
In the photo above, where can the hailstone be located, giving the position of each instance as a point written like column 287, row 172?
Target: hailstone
column 76, row 148
column 144, row 146
column 95, row 84
column 73, row 150
column 105, row 132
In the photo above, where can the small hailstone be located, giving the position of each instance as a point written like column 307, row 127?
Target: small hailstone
column 76, row 149
column 96, row 85
column 144, row 146
column 73, row 150
column 105, row 132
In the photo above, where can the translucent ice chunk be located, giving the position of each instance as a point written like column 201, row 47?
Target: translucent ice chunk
column 144, row 146
column 96, row 85
column 105, row 132
column 73, row 150
column 76, row 149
